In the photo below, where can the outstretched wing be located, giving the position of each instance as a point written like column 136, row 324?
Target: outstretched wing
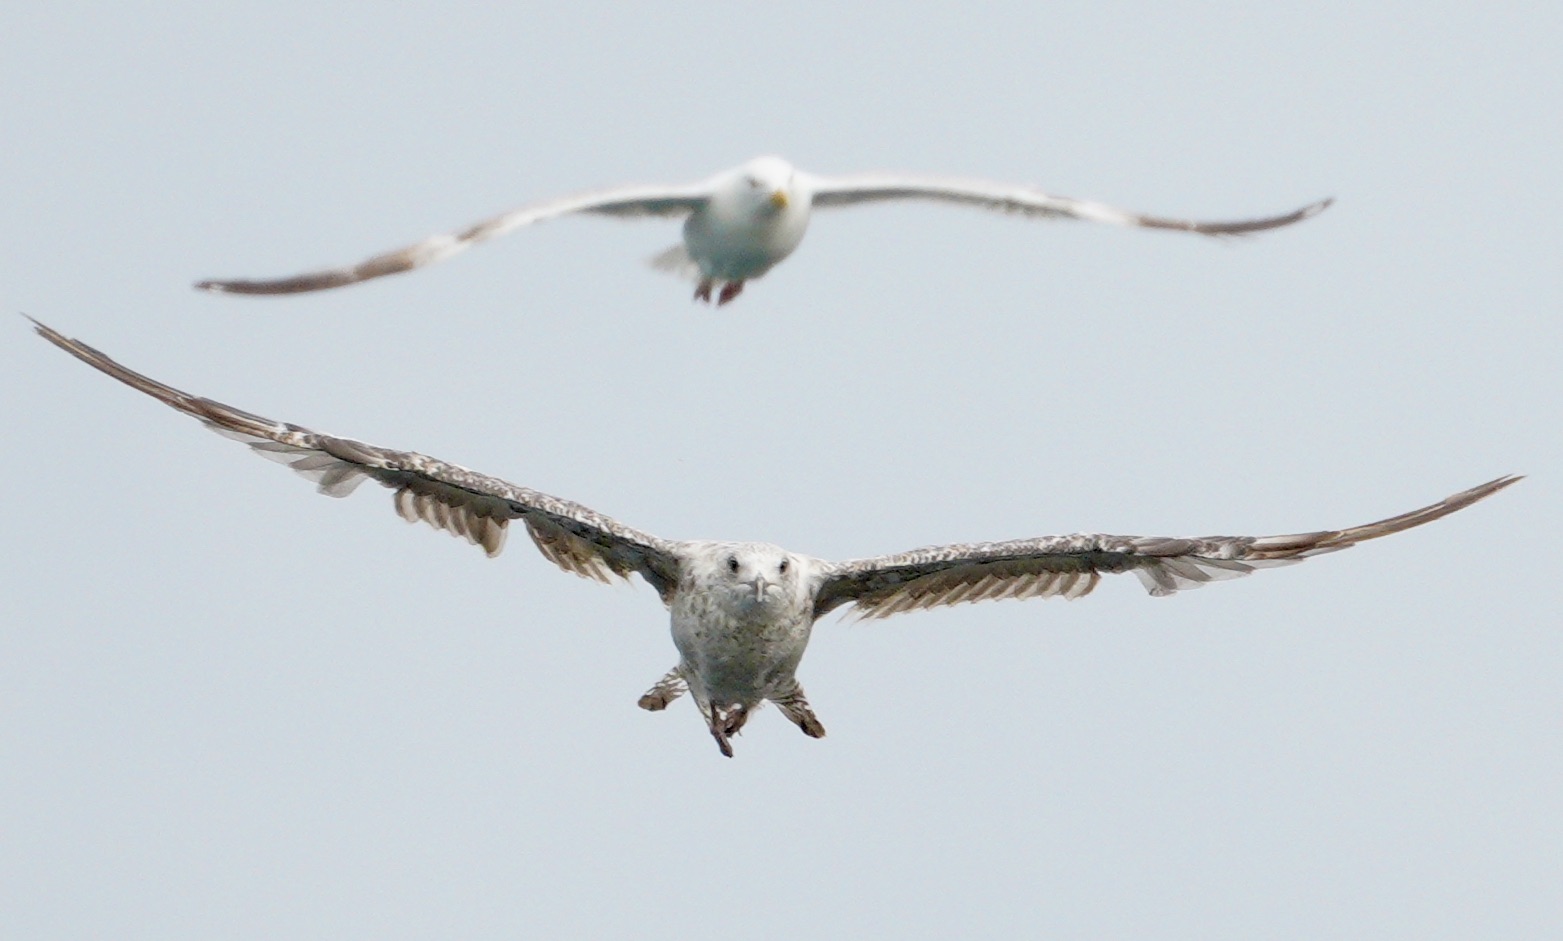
column 627, row 201
column 1070, row 566
column 1028, row 201
column 446, row 496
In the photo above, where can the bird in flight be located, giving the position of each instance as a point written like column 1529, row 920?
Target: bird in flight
column 742, row 612
column 742, row 222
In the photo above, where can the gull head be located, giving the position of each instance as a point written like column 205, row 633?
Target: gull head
column 754, row 216
column 768, row 184
column 751, row 575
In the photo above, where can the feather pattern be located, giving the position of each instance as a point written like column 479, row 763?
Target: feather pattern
column 448, row 497
column 742, row 612
column 1070, row 566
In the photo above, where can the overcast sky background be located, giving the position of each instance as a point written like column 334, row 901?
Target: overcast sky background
column 231, row 708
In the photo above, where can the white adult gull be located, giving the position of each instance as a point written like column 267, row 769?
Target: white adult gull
column 742, row 612
column 740, row 223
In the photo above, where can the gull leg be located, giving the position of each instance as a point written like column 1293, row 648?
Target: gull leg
column 736, row 716
column 726, row 721
column 796, row 708
column 721, row 741
column 703, row 290
column 730, row 290
column 666, row 690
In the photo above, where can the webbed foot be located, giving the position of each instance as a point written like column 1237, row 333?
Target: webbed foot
column 796, row 708
column 667, row 689
column 730, row 290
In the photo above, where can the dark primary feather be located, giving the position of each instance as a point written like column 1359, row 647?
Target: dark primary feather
column 446, row 496
column 1071, row 566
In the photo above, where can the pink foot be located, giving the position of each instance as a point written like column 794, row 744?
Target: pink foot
column 730, row 290
column 703, row 290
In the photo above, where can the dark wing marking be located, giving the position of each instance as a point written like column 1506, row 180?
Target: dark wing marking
column 1028, row 201
column 446, row 496
column 625, row 201
column 1070, row 566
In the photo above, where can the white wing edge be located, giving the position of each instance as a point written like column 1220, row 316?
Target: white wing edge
column 627, row 201
column 1026, row 200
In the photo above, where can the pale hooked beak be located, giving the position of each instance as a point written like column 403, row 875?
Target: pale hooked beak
column 759, row 585
column 779, row 199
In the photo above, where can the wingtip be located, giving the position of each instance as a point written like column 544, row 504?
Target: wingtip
column 211, row 287
column 1318, row 207
column 44, row 330
column 1497, row 484
column 1479, row 493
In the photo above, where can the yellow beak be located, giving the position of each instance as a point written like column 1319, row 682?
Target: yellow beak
column 779, row 199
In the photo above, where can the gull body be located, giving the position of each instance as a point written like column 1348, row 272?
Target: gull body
column 739, row 224
column 755, row 217
column 742, row 613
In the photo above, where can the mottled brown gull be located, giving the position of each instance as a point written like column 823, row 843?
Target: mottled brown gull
column 742, row 612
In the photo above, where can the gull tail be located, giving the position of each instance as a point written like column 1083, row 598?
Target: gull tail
column 676, row 261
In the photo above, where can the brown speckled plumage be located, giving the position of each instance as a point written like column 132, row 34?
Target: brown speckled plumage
column 742, row 612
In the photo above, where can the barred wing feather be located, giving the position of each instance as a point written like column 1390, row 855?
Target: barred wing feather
column 1071, row 566
column 459, row 501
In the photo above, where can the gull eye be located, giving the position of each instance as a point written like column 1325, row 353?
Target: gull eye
column 754, row 182
column 732, row 564
column 782, row 568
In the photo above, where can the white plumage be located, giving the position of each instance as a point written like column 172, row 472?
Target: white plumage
column 742, row 222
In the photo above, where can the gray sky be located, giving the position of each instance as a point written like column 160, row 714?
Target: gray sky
column 230, row 708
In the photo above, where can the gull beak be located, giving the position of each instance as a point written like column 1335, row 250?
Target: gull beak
column 779, row 199
column 760, row 586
